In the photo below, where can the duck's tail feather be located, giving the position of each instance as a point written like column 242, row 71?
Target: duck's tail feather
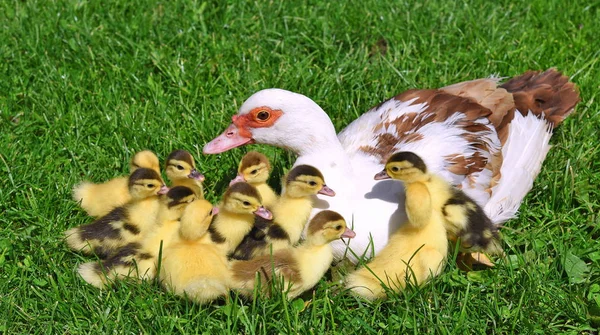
column 547, row 94
column 524, row 151
column 542, row 101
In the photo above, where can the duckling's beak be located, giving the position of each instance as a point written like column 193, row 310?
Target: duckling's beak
column 348, row 233
column 194, row 174
column 163, row 189
column 229, row 139
column 214, row 211
column 264, row 213
column 382, row 175
column 237, row 179
column 327, row 191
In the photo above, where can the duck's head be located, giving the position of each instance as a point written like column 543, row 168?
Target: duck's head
column 305, row 180
column 196, row 219
column 144, row 159
column 243, row 198
column 254, row 168
column 328, row 226
column 406, row 166
column 144, row 183
column 178, row 197
column 181, row 165
column 276, row 117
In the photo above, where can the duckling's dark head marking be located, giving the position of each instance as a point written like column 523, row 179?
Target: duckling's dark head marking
column 411, row 157
column 253, row 158
column 243, row 188
column 318, row 221
column 143, row 173
column 303, row 170
column 179, row 195
column 181, row 155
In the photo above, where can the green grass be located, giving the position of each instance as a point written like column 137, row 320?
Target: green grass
column 84, row 84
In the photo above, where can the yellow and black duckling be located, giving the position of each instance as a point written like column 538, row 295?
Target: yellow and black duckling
column 290, row 213
column 416, row 251
column 255, row 168
column 240, row 206
column 301, row 267
column 99, row 199
column 196, row 266
column 123, row 224
column 181, row 171
column 191, row 267
column 140, row 259
column 464, row 219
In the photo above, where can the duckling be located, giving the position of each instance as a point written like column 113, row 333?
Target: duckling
column 191, row 267
column 240, row 205
column 99, row 199
column 123, row 224
column 181, row 171
column 301, row 267
column 464, row 219
column 417, row 250
column 254, row 168
column 291, row 212
column 140, row 259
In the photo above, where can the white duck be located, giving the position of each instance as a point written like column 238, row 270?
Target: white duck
column 468, row 133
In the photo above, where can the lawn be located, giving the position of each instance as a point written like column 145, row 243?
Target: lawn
column 84, row 84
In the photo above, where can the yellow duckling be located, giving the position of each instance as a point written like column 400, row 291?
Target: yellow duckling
column 254, row 168
column 290, row 213
column 240, row 206
column 416, row 251
column 123, row 224
column 99, row 199
column 190, row 267
column 301, row 267
column 181, row 171
column 140, row 259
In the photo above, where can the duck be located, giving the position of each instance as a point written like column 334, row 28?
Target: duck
column 300, row 267
column 181, row 171
column 417, row 250
column 99, row 199
column 123, row 224
column 485, row 137
column 255, row 168
column 193, row 267
column 464, row 220
column 139, row 259
column 240, row 205
column 290, row 214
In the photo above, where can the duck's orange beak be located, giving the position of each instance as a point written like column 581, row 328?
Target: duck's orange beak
column 229, row 139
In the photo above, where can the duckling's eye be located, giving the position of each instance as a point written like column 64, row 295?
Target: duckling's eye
column 246, row 203
column 150, row 186
column 263, row 115
column 179, row 167
column 338, row 227
column 395, row 169
column 254, row 172
column 312, row 183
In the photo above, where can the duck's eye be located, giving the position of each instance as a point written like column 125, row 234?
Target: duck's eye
column 254, row 172
column 263, row 115
column 179, row 167
column 338, row 227
column 312, row 183
column 150, row 185
column 246, row 203
column 395, row 169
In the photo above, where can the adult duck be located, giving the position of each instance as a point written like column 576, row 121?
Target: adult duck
column 487, row 139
